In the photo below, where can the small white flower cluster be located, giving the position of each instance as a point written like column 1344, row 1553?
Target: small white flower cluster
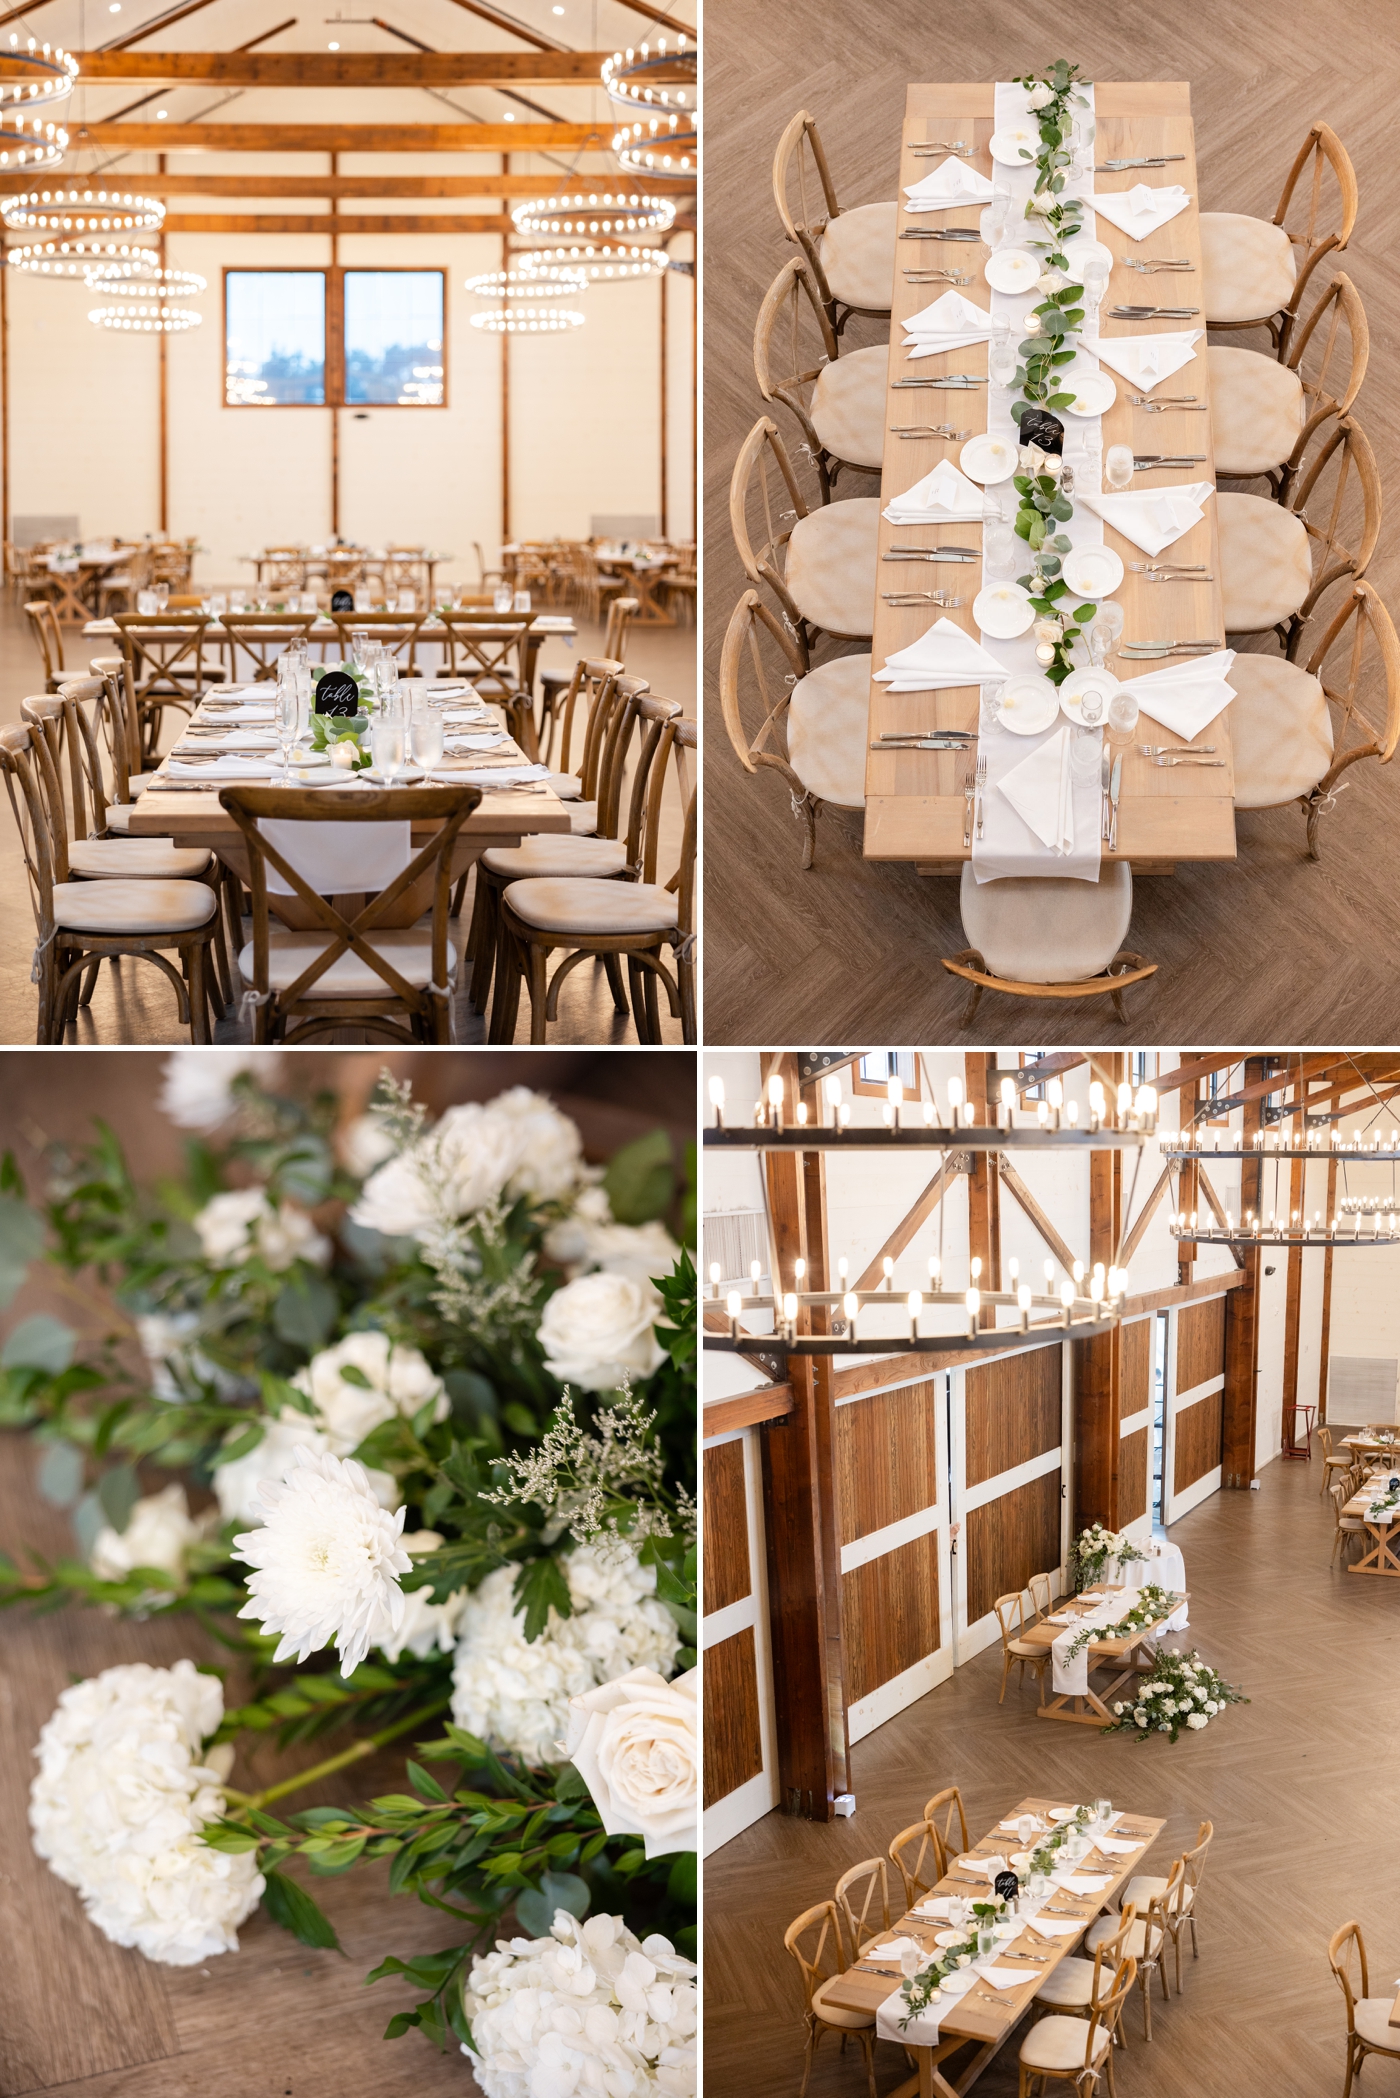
column 159, row 1533
column 589, row 2009
column 590, row 1237
column 476, row 1156
column 1188, row 1693
column 198, row 1083
column 514, row 1692
column 243, row 1224
column 123, row 1790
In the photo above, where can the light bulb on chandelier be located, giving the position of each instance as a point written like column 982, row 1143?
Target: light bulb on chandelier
column 82, row 211
column 69, row 258
column 141, row 274
column 30, row 143
column 595, row 262
column 34, row 72
column 148, row 319
column 529, row 320
column 660, row 145
column 654, row 75
column 528, row 284
column 587, row 215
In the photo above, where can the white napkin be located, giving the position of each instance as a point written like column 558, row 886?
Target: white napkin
column 954, row 182
column 337, row 859
column 1062, row 1617
column 491, row 740
column 1115, row 1846
column 248, row 711
column 991, row 1866
column 937, row 1905
column 1004, row 1977
column 500, row 776
column 1185, row 696
column 943, row 495
column 1145, row 360
column 919, row 2032
column 230, row 767
column 236, row 739
column 1055, row 1926
column 950, row 323
column 1153, row 518
column 1140, row 210
column 1016, row 1817
column 1085, row 1882
column 941, row 659
column 1039, row 789
column 892, row 1948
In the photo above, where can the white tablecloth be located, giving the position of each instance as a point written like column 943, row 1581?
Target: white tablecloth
column 1160, row 1564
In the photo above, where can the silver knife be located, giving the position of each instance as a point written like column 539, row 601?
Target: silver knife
column 1104, row 770
column 940, row 233
column 920, row 743
column 958, row 556
column 1113, row 796
column 1151, row 313
column 952, row 379
column 907, row 735
column 1148, row 461
column 1151, row 160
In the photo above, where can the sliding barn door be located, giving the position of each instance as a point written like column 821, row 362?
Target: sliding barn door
column 1136, row 1340
column 891, row 1466
column 741, row 1781
column 1195, row 1397
column 1010, row 1451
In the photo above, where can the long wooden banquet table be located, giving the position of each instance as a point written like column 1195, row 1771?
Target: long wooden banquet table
column 1095, row 1707
column 1384, row 1532
column 914, row 803
column 986, row 2018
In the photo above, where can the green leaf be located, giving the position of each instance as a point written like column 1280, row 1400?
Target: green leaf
column 40, row 1343
column 305, row 1311
column 228, row 1836
column 400, row 2023
column 557, row 1890
column 349, row 1373
column 1085, row 613
column 61, row 1474
column 336, row 1857
column 247, row 1438
column 570, row 1783
column 421, row 1782
column 119, row 1490
column 292, row 1907
column 640, row 1181
column 21, row 1235
column 539, row 1586
column 683, row 1883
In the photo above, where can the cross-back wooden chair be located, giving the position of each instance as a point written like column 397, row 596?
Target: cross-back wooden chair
column 406, row 569
column 838, row 402
column 576, row 706
column 171, row 561
column 555, row 686
column 1066, row 2050
column 43, row 624
column 814, row 1940
column 863, row 1892
column 1335, row 1463
column 1042, row 1600
column 640, row 919
column 1369, row 2030
column 1277, row 559
column 1017, row 1652
column 1268, row 264
column 495, row 654
column 263, row 637
column 939, row 1812
column 398, row 631
column 851, row 254
column 919, row 1857
column 1148, row 1939
column 820, row 563
column 166, row 654
column 809, row 727
column 340, row 970
column 1264, row 413
column 123, row 728
column 1077, row 1984
column 1336, row 494
column 116, row 590
column 79, row 924
column 1048, row 937
column 1348, row 1529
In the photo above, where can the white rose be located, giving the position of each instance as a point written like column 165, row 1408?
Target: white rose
column 1197, row 1719
column 589, row 1237
column 158, row 1533
column 399, row 1380
column 364, row 1144
column 198, row 1083
column 516, row 1145
column 1140, row 1717
column 1048, row 630
column 1211, row 1706
column 235, row 1226
column 549, row 1147
column 598, row 1330
column 633, row 1742
column 1049, row 280
column 1040, row 95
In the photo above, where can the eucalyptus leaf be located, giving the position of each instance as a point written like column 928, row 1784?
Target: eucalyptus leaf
column 305, row 1311
column 21, row 1240
column 61, row 1474
column 40, row 1343
column 640, row 1181
column 119, row 1490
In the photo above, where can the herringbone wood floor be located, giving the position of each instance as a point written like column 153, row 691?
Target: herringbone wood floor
column 1299, row 1783
column 1272, row 948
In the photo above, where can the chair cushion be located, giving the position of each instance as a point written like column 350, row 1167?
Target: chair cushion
column 1033, row 930
column 831, row 561
column 1134, row 1945
column 1265, row 562
column 1060, row 2043
column 114, row 907
column 410, row 951
column 1373, row 2023
column 832, row 2014
column 1248, row 268
column 1068, row 1985
column 848, row 405
column 567, row 785
column 828, row 729
column 583, row 817
column 857, row 253
column 593, row 906
column 1281, row 731
column 1145, row 1888
column 99, row 859
column 1256, row 410
column 548, row 856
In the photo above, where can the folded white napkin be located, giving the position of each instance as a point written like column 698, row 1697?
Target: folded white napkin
column 1115, row 1846
column 953, row 182
column 1153, row 518
column 1140, row 210
column 236, row 739
column 500, row 776
column 941, row 659
column 230, row 767
column 892, row 1948
column 950, row 323
column 944, row 494
column 1085, row 1882
column 490, row 740
column 1040, row 791
column 1005, row 1977
column 1145, row 360
column 1055, row 1926
column 1062, row 1617
column 249, row 710
column 1011, row 1824
column 991, row 1866
column 1185, row 696
column 337, row 859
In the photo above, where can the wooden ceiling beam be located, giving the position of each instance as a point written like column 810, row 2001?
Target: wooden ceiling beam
column 348, row 186
column 303, row 69
column 358, row 138
column 323, row 222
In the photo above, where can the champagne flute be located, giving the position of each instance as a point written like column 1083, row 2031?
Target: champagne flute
column 386, row 745
column 288, row 716
column 1094, row 277
column 1118, row 465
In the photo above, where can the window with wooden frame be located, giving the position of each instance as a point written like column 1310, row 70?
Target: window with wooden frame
column 335, row 337
column 872, row 1074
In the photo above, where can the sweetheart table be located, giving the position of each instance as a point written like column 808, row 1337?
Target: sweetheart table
column 914, row 805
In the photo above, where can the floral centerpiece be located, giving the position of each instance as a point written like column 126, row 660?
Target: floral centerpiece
column 435, row 1384
column 1093, row 1551
column 1180, row 1692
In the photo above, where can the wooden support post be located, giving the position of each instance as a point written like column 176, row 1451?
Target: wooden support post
column 1325, row 1339
column 336, row 320
column 1188, row 1193
column 505, row 380
column 164, row 388
column 984, row 1181
column 1098, row 1362
column 1293, row 1305
column 1241, row 1397
column 5, row 525
column 661, row 288
column 824, row 1416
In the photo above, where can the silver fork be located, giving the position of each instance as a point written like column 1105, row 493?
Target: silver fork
column 921, row 597
column 907, row 430
column 969, row 787
column 942, row 145
column 936, row 277
column 981, row 783
column 1165, row 750
column 1202, row 764
column 1186, row 407
column 1169, row 576
column 1167, row 568
column 1152, row 269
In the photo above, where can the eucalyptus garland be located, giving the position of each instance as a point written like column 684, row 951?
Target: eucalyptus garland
column 1154, row 1605
column 920, row 1989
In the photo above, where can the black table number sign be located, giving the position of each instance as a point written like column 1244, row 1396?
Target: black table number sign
column 337, row 693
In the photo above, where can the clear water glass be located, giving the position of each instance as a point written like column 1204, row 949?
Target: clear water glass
column 1091, row 708
column 1103, row 1811
column 427, row 735
column 1095, row 279
column 1091, row 459
column 1123, row 713
column 1118, row 465
column 386, row 746
column 386, row 684
column 992, row 223
column 162, row 596
column 910, row 1961
column 1084, row 752
column 502, row 598
column 986, row 1941
column 218, row 604
column 237, row 600
column 1001, row 363
column 520, row 601
column 1110, row 616
column 288, row 719
column 999, row 549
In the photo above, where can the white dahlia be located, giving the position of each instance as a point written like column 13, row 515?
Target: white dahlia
column 327, row 1561
column 515, row 1692
column 243, row 1223
column 123, row 1790
column 198, row 1083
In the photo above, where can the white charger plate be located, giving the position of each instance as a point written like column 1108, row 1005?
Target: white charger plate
column 1093, row 571
column 1012, row 270
column 1029, row 703
column 1094, row 392
column 988, row 459
column 1072, row 691
column 1003, row 610
column 1079, row 252
column 1005, row 145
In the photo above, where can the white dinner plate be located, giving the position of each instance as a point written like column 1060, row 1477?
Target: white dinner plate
column 1012, row 270
column 960, row 1981
column 1094, row 392
column 1081, row 681
column 1003, row 610
column 988, row 459
column 404, row 777
column 1079, row 252
column 949, row 1937
column 1005, row 146
column 1062, row 1814
column 1029, row 703
column 1093, row 571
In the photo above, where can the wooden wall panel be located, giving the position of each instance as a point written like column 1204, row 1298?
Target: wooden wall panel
column 889, row 1614
column 886, row 1459
column 1132, row 1475
column 1197, row 1435
column 727, row 1576
column 1200, row 1343
column 1010, row 1539
column 733, row 1744
column 1013, row 1412
column 1135, row 1375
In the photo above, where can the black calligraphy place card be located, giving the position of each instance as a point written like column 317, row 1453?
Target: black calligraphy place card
column 1006, row 1885
column 1039, row 426
column 337, row 693
column 342, row 601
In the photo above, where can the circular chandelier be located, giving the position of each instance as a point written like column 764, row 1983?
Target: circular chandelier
column 30, row 142
column 595, row 263
column 1123, row 1124
column 36, row 72
column 632, row 77
column 528, row 284
column 659, row 145
column 153, row 319
column 1079, row 1309
column 529, row 320
column 585, row 216
column 82, row 211
column 1297, row 1229
column 1280, row 1143
column 142, row 274
column 68, row 258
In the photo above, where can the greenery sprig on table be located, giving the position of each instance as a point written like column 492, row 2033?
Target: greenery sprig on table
column 919, row 1990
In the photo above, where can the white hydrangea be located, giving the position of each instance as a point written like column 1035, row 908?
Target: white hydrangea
column 589, row 2009
column 478, row 1154
column 234, row 1227
column 123, row 1790
column 1197, row 1720
column 590, row 1237
column 427, row 1627
column 599, row 1331
column 399, row 1381
column 159, row 1533
column 515, row 1693
column 198, row 1083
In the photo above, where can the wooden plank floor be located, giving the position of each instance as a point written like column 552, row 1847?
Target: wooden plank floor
column 1295, row 1781
column 1272, row 948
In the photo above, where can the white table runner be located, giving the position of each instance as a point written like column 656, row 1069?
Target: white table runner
column 1070, row 1673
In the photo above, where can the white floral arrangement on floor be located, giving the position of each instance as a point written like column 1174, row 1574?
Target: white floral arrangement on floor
column 1181, row 1691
